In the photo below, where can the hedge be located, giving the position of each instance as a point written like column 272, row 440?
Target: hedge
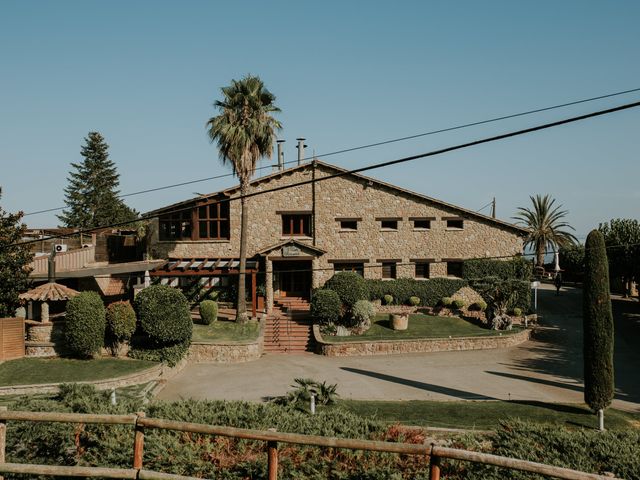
column 85, row 324
column 514, row 269
column 430, row 292
column 521, row 290
column 349, row 286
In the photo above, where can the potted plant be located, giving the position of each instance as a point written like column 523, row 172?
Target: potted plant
column 400, row 321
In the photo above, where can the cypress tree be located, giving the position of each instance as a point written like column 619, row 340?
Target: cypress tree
column 91, row 196
column 598, row 326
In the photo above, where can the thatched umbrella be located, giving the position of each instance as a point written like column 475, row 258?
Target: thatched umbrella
column 48, row 292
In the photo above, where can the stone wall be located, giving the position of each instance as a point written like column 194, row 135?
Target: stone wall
column 200, row 352
column 389, row 347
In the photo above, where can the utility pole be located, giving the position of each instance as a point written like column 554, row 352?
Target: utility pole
column 493, row 208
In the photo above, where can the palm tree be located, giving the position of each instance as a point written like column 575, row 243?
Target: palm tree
column 546, row 226
column 244, row 131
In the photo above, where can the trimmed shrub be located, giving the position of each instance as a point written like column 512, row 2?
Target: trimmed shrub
column 516, row 268
column 121, row 323
column 208, row 311
column 349, row 286
column 326, row 306
column 446, row 301
column 517, row 312
column 388, row 299
column 85, row 324
column 363, row 311
column 458, row 304
column 480, row 305
column 165, row 322
column 513, row 293
column 430, row 292
column 414, row 301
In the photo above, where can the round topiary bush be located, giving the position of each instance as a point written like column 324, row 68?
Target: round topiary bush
column 85, row 324
column 457, row 304
column 121, row 323
column 208, row 311
column 446, row 301
column 517, row 312
column 480, row 305
column 388, row 299
column 349, row 286
column 363, row 311
column 326, row 306
column 414, row 301
column 165, row 321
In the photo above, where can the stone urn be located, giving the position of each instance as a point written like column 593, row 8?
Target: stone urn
column 400, row 321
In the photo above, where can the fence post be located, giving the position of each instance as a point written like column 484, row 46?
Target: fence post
column 3, row 438
column 138, row 443
column 272, row 460
column 434, row 466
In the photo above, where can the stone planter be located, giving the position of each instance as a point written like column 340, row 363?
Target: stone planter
column 400, row 321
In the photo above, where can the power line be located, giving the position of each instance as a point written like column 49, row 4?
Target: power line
column 370, row 145
column 432, row 153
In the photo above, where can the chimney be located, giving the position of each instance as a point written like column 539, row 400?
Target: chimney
column 300, row 148
column 280, row 155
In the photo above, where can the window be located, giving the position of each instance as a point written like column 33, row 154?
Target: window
column 296, row 224
column 422, row 270
column 455, row 223
column 389, row 224
column 454, row 268
column 351, row 225
column 213, row 221
column 388, row 269
column 349, row 267
column 175, row 226
column 421, row 224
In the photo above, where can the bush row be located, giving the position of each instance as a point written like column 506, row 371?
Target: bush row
column 517, row 293
column 430, row 292
column 516, row 268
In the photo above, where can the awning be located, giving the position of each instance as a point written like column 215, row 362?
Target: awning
column 175, row 267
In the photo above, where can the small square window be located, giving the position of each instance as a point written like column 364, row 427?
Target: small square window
column 422, row 270
column 422, row 224
column 454, row 269
column 389, row 224
column 388, row 269
column 455, row 223
column 349, row 225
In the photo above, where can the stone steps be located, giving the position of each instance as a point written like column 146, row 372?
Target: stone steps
column 288, row 327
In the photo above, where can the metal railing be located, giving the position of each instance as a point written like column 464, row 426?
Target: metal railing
column 433, row 454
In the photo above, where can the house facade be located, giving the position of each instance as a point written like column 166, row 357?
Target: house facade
column 307, row 222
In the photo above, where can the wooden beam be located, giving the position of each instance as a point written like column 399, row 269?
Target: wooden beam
column 254, row 299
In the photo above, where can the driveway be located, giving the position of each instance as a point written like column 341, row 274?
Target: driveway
column 547, row 368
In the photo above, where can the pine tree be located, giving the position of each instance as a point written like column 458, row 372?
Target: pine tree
column 14, row 261
column 598, row 327
column 91, row 195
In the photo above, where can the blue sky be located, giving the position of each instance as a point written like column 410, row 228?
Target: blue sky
column 145, row 74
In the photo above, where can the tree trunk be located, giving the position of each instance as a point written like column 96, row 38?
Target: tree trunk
column 540, row 256
column 241, row 314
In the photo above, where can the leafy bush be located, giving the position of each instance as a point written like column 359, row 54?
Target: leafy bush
column 414, row 301
column 430, row 292
column 121, row 323
column 388, row 299
column 326, row 306
column 446, row 301
column 363, row 311
column 508, row 293
column 480, row 305
column 458, row 304
column 517, row 312
column 85, row 324
column 208, row 311
column 516, row 268
column 349, row 286
column 165, row 324
column 303, row 388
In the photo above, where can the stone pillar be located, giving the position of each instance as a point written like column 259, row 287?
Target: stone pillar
column 318, row 277
column 44, row 312
column 268, row 280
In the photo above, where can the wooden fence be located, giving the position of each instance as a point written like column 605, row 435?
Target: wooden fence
column 11, row 338
column 432, row 454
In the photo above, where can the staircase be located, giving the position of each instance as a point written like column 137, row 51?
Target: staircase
column 288, row 327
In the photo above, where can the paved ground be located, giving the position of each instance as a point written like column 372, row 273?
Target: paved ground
column 548, row 368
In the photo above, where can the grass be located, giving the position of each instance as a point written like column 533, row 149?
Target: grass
column 226, row 331
column 27, row 371
column 420, row 326
column 486, row 415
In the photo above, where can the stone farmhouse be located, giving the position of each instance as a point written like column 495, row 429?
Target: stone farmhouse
column 299, row 236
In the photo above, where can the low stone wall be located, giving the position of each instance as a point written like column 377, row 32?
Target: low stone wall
column 390, row 347
column 227, row 352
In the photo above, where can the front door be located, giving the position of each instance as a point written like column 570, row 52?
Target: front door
column 292, row 278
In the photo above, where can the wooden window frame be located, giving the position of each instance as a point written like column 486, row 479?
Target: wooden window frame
column 296, row 225
column 458, row 263
column 355, row 266
column 422, row 264
column 456, row 220
column 221, row 219
column 392, row 265
column 181, row 220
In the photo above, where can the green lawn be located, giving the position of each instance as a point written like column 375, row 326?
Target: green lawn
column 226, row 331
column 420, row 326
column 486, row 415
column 26, row 371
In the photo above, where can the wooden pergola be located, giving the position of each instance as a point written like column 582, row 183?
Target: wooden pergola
column 208, row 267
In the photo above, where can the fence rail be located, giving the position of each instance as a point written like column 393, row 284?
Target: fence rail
column 433, row 453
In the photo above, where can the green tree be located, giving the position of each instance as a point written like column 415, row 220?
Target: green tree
column 91, row 196
column 622, row 238
column 14, row 261
column 598, row 327
column 547, row 229
column 572, row 261
column 244, row 132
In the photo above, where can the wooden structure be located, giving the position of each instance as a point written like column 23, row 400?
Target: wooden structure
column 432, row 453
column 46, row 293
column 209, row 267
column 11, row 338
